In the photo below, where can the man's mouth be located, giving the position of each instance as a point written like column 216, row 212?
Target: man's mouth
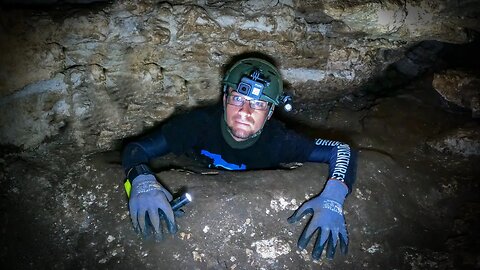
column 243, row 123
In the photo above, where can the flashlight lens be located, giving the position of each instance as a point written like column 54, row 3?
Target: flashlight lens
column 288, row 107
column 189, row 197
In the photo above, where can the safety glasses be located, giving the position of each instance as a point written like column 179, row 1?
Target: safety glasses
column 238, row 101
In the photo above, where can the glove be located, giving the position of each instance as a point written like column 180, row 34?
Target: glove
column 327, row 218
column 148, row 196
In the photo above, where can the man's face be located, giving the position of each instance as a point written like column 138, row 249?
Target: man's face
column 243, row 120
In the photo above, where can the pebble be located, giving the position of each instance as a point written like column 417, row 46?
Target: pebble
column 110, row 238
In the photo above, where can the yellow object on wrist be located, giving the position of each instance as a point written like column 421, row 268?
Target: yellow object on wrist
column 128, row 187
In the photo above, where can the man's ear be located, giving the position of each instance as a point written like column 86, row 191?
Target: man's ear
column 270, row 112
column 224, row 100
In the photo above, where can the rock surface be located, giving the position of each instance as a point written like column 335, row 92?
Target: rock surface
column 96, row 72
column 460, row 87
column 463, row 141
column 78, row 77
column 411, row 208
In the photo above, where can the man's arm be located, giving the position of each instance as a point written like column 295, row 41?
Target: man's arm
column 340, row 157
column 147, row 195
column 142, row 151
column 178, row 135
column 327, row 208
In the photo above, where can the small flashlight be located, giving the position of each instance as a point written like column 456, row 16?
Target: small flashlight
column 287, row 103
column 180, row 201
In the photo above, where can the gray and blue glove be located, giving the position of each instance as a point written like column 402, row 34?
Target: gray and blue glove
column 149, row 197
column 327, row 218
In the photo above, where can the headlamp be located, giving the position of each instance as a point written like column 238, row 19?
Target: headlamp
column 286, row 100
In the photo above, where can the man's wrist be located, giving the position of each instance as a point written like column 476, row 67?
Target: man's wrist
column 335, row 190
column 137, row 170
column 341, row 181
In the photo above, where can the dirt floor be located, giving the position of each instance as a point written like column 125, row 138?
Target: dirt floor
column 413, row 207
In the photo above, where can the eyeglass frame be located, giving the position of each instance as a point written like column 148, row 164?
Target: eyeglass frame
column 243, row 99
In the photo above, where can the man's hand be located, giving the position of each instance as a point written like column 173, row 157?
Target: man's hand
column 327, row 218
column 148, row 196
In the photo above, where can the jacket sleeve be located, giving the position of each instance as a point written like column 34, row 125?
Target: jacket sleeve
column 340, row 157
column 143, row 150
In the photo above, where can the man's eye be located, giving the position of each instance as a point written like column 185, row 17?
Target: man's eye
column 237, row 98
column 260, row 104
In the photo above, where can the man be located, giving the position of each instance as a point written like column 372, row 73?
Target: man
column 239, row 136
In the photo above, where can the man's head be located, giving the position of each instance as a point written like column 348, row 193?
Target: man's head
column 252, row 88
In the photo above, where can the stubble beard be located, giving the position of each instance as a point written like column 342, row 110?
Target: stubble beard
column 240, row 134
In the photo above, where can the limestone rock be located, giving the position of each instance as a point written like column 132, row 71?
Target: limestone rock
column 460, row 87
column 128, row 65
column 462, row 141
column 406, row 20
column 35, row 113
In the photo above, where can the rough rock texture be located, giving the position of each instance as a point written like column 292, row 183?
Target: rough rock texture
column 463, row 141
column 75, row 80
column 411, row 208
column 460, row 87
column 94, row 74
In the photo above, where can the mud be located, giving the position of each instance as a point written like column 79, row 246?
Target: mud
column 412, row 207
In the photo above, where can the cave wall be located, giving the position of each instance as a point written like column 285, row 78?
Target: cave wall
column 92, row 73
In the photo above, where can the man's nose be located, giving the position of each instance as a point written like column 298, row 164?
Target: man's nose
column 246, row 107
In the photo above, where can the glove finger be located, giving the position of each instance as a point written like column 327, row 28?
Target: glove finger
column 154, row 219
column 331, row 245
column 344, row 233
column 133, row 217
column 306, row 235
column 141, row 221
column 159, row 235
column 300, row 212
column 169, row 218
column 324, row 235
column 344, row 243
column 320, row 244
column 149, row 230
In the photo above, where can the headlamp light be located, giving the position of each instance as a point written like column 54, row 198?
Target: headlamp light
column 286, row 100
